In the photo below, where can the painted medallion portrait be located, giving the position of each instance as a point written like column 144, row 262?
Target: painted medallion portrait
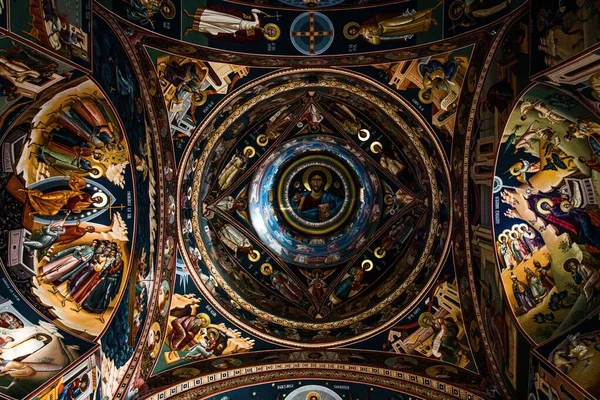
column 316, row 193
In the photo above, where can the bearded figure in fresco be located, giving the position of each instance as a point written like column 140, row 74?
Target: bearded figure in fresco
column 520, row 250
column 286, row 286
column 74, row 232
column 586, row 278
column 390, row 162
column 505, row 252
column 234, row 239
column 318, row 205
column 445, row 341
column 535, row 284
column 44, row 238
column 384, row 27
column 186, row 328
column 529, row 238
column 582, row 224
column 441, row 76
column 181, row 77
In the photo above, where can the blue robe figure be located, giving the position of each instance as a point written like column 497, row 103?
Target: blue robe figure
column 351, row 283
column 522, row 294
column 70, row 391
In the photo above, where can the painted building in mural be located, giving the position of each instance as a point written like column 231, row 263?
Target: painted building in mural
column 299, row 199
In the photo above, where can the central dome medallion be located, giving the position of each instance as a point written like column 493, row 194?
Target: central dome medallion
column 313, row 200
column 314, row 208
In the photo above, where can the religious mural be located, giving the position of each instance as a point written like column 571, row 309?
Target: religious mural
column 545, row 210
column 436, row 328
column 285, row 224
column 561, row 30
column 32, row 350
column 189, row 86
column 299, row 199
column 314, row 390
column 282, row 27
column 437, row 81
column 63, row 27
column 69, row 175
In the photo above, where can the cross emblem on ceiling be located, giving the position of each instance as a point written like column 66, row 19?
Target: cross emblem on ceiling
column 314, row 31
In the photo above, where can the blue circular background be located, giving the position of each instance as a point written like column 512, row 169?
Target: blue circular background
column 322, row 43
column 272, row 228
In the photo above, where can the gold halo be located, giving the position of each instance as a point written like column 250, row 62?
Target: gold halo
column 262, row 140
column 199, row 98
column 379, row 252
column 538, row 206
column 205, row 317
column 521, row 225
column 157, row 341
column 347, row 27
column 251, row 150
column 266, row 269
column 367, row 265
column 516, row 168
column 273, row 37
column 96, row 176
column 373, row 147
column 502, row 235
column 84, row 383
column 313, row 394
column 515, row 228
column 563, row 206
column 364, row 135
column 422, row 323
column 254, row 256
column 212, row 330
column 171, row 14
column 423, row 99
column 310, row 170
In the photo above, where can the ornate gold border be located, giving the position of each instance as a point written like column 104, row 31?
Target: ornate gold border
column 215, row 135
column 214, row 383
column 466, row 223
column 327, row 229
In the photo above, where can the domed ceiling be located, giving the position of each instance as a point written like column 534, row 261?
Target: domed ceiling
column 300, row 199
column 314, row 225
